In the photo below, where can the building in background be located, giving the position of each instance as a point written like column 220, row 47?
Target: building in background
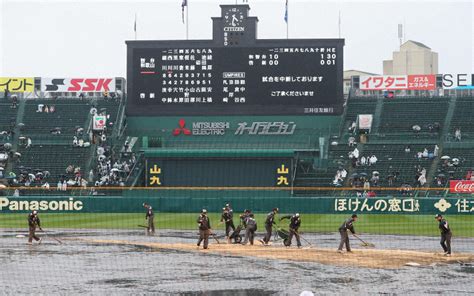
column 414, row 58
column 348, row 83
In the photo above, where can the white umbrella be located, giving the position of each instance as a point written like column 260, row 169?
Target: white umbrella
column 445, row 157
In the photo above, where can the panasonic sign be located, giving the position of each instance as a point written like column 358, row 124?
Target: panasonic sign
column 40, row 205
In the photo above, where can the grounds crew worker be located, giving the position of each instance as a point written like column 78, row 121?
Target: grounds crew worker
column 250, row 228
column 204, row 228
column 445, row 234
column 150, row 216
column 269, row 221
column 295, row 223
column 227, row 219
column 231, row 215
column 33, row 221
column 347, row 225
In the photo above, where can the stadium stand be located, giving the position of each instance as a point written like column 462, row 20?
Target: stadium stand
column 392, row 133
column 400, row 115
column 464, row 118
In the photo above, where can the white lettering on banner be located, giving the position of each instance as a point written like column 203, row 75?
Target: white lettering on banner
column 40, row 205
column 77, row 84
column 380, row 205
column 465, row 205
column 210, row 128
column 266, row 128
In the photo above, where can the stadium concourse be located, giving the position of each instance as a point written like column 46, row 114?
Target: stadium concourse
column 53, row 152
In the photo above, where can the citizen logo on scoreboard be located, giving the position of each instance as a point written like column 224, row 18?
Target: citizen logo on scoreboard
column 461, row 186
column 77, row 84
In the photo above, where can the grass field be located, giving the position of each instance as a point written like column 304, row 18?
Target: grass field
column 375, row 224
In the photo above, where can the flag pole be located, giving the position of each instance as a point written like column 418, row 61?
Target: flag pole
column 339, row 24
column 135, row 26
column 187, row 20
column 286, row 14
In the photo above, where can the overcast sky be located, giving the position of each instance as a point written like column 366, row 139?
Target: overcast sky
column 65, row 38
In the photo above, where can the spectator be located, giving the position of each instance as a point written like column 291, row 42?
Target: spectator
column 28, row 142
column 407, row 149
column 366, row 185
column 457, row 134
column 14, row 102
column 363, row 161
column 45, row 185
column 91, row 176
column 425, row 153
column 75, row 143
column 372, row 160
column 436, row 151
column 64, row 186
column 375, row 178
column 355, row 153
column 60, row 186
column 126, row 146
column 352, row 127
column 422, row 180
column 352, row 141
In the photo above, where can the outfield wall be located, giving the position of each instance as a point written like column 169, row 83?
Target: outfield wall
column 316, row 205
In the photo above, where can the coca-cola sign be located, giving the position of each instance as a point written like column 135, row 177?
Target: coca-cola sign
column 461, row 186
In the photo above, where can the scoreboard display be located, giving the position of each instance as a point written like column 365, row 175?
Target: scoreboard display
column 217, row 172
column 235, row 73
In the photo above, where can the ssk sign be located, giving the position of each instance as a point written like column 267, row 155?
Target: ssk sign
column 461, row 186
column 78, row 84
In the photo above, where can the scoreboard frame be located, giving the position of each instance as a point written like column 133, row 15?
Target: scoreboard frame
column 244, row 39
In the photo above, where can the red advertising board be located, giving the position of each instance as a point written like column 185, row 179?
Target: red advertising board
column 398, row 82
column 421, row 82
column 461, row 186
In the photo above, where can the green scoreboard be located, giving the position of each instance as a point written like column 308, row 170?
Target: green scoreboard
column 219, row 172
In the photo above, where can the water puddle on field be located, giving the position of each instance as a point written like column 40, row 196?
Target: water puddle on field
column 86, row 267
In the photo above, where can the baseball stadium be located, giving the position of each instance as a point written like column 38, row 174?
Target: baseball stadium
column 237, row 164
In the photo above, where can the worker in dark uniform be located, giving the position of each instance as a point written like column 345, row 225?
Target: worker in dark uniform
column 150, row 216
column 227, row 219
column 33, row 222
column 347, row 225
column 243, row 219
column 204, row 229
column 231, row 215
column 269, row 222
column 295, row 223
column 250, row 228
column 445, row 234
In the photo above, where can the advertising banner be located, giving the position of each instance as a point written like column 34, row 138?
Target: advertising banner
column 98, row 123
column 17, row 84
column 365, row 121
column 458, row 81
column 398, row 82
column 421, row 82
column 77, row 84
column 461, row 186
column 180, row 204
